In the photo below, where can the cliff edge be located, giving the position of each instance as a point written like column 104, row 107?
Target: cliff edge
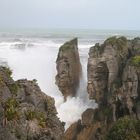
column 114, row 83
column 26, row 113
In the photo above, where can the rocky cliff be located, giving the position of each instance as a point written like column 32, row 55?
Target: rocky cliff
column 68, row 68
column 26, row 113
column 114, row 82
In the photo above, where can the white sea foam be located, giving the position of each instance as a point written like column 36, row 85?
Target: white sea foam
column 38, row 62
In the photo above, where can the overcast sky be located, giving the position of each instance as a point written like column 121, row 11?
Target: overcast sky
column 95, row 14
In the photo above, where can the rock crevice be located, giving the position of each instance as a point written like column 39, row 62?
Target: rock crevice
column 113, row 82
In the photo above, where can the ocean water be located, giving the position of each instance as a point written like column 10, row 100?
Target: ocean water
column 32, row 54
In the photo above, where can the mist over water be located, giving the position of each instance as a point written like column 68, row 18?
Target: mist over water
column 71, row 110
column 36, row 60
column 33, row 56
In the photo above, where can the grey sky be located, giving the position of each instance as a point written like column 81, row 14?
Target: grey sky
column 96, row 14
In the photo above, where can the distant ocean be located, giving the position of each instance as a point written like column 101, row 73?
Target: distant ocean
column 32, row 54
column 60, row 35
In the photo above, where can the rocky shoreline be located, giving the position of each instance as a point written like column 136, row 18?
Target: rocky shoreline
column 114, row 83
column 113, row 72
column 26, row 113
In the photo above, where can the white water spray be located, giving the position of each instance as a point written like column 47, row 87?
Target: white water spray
column 37, row 61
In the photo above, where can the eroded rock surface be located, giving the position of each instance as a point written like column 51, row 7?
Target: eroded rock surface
column 26, row 113
column 68, row 68
column 105, row 65
column 114, row 82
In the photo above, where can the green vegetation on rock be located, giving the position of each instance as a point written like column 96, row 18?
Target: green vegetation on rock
column 120, row 42
column 33, row 114
column 23, row 114
column 69, row 45
column 136, row 40
column 135, row 61
column 13, row 88
column 99, row 48
column 65, row 47
column 35, row 81
column 10, row 109
column 7, row 71
column 96, row 50
column 49, row 103
column 30, row 115
column 105, row 113
column 125, row 129
column 111, row 40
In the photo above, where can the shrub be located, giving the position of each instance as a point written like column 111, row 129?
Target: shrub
column 111, row 40
column 119, row 42
column 135, row 61
column 13, row 88
column 35, row 81
column 30, row 115
column 125, row 129
column 11, row 113
column 7, row 71
column 99, row 48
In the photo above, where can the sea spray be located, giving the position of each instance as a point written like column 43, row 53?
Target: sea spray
column 71, row 110
column 37, row 61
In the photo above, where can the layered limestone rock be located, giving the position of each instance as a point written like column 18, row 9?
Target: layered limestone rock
column 68, row 68
column 114, row 82
column 105, row 66
column 26, row 113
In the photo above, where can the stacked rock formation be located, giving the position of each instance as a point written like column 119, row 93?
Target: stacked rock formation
column 114, row 83
column 68, row 68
